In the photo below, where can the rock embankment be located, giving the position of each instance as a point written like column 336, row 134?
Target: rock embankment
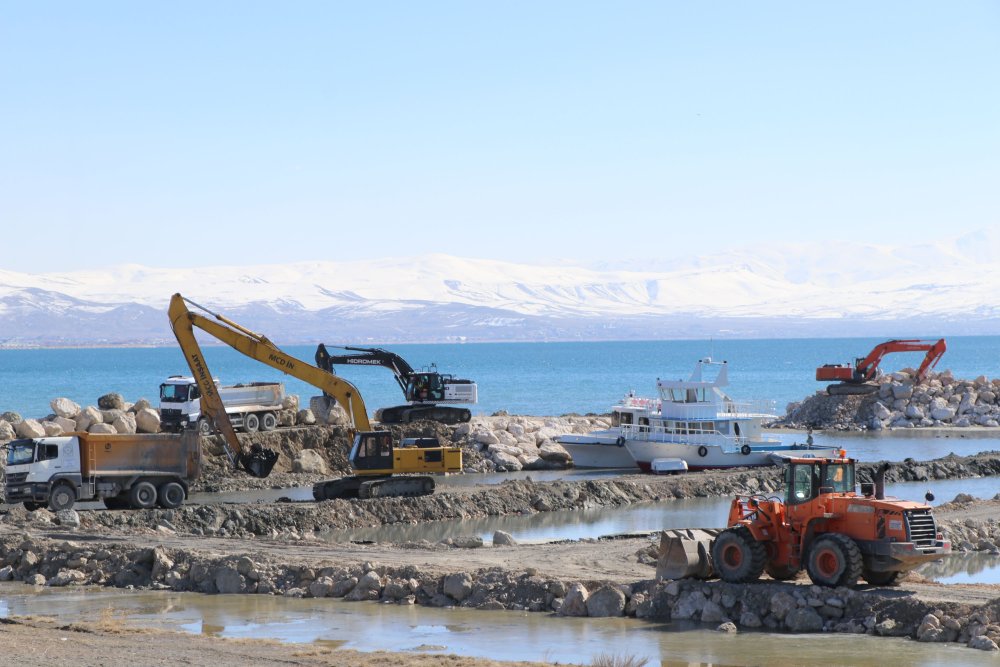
column 901, row 402
column 785, row 607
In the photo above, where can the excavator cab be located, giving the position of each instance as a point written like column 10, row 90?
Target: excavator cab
column 372, row 450
column 425, row 386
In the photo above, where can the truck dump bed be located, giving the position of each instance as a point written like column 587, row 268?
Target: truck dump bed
column 141, row 454
column 264, row 394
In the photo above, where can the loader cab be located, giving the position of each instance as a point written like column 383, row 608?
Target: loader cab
column 372, row 450
column 807, row 480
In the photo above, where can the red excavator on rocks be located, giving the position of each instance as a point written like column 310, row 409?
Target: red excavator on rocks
column 856, row 379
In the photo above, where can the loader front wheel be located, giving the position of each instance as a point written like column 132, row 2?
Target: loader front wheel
column 737, row 556
column 834, row 560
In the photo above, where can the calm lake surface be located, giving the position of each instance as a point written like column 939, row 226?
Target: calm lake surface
column 522, row 378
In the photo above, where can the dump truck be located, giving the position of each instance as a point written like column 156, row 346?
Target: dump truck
column 822, row 526
column 138, row 471
column 251, row 407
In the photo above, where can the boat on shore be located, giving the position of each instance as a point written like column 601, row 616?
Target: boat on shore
column 605, row 448
column 698, row 423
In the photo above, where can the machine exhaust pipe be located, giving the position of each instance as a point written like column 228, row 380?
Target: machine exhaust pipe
column 880, row 481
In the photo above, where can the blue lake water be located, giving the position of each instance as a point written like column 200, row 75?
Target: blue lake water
column 522, row 378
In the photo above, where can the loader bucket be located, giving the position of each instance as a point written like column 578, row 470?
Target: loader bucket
column 685, row 553
column 259, row 461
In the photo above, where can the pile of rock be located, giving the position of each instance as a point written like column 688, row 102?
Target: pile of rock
column 112, row 415
column 793, row 608
column 505, row 443
column 900, row 402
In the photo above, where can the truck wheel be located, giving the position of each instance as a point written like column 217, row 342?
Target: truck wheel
column 62, row 497
column 204, row 427
column 881, row 578
column 171, row 495
column 268, row 421
column 251, row 423
column 834, row 560
column 737, row 556
column 142, row 495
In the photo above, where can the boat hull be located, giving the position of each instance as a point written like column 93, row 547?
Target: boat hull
column 713, row 457
column 597, row 452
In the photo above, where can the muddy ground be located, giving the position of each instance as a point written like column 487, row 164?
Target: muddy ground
column 275, row 548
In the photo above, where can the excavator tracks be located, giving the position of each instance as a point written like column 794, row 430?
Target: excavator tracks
column 378, row 487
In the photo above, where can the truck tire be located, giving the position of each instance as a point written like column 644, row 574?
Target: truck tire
column 268, row 421
column 251, row 423
column 171, row 495
column 142, row 495
column 737, row 556
column 834, row 560
column 62, row 497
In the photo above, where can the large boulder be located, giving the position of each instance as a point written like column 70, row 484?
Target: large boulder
column 11, row 418
column 52, row 428
column 29, row 428
column 63, row 407
column 66, row 424
column 125, row 423
column 606, row 601
column 309, row 461
column 553, row 452
column 575, row 602
column 328, row 411
column 147, row 420
column 87, row 418
column 6, row 431
column 305, row 417
column 112, row 401
column 102, row 429
column 458, row 586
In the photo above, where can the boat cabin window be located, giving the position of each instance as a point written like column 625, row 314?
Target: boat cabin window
column 623, row 418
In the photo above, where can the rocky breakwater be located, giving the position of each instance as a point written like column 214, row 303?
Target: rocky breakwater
column 504, row 443
column 901, row 402
column 800, row 608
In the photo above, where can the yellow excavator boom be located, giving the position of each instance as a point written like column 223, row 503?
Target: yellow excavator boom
column 255, row 346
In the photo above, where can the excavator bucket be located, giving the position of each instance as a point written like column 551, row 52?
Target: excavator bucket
column 685, row 553
column 259, row 461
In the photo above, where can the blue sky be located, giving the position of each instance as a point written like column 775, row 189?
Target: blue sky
column 190, row 133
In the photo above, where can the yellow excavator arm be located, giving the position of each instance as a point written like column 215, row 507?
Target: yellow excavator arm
column 255, row 346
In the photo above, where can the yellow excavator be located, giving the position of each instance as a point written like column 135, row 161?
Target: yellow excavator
column 381, row 467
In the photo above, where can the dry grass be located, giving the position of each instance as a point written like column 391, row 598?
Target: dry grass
column 611, row 660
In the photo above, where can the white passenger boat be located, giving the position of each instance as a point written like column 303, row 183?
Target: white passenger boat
column 699, row 424
column 605, row 448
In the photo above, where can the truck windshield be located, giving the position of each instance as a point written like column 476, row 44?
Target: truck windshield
column 20, row 451
column 174, row 393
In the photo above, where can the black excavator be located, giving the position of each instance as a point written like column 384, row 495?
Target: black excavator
column 424, row 390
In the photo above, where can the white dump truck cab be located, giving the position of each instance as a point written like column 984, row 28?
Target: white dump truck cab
column 35, row 466
column 180, row 403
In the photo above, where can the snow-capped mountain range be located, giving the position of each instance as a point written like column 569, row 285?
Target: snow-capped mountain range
column 833, row 289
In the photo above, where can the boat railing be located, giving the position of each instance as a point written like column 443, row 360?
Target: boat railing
column 691, row 436
column 755, row 408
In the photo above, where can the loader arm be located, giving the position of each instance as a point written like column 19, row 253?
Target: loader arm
column 259, row 348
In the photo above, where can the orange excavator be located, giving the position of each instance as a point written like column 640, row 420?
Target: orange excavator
column 855, row 380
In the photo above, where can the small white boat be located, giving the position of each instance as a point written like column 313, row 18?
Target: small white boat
column 699, row 424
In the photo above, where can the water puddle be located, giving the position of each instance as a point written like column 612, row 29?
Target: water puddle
column 959, row 568
column 371, row 626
